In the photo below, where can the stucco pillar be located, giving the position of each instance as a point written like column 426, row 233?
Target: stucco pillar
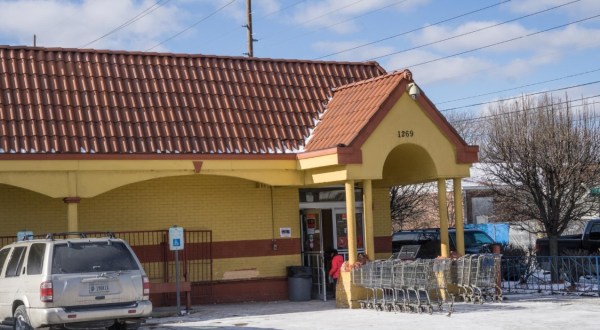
column 443, row 210
column 347, row 294
column 369, row 238
column 72, row 215
column 458, row 216
column 351, row 221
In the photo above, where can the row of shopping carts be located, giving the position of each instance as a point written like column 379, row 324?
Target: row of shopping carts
column 422, row 285
column 477, row 277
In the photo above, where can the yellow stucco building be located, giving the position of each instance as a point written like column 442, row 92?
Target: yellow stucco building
column 265, row 163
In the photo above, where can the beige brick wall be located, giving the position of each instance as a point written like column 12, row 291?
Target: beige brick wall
column 382, row 221
column 23, row 209
column 233, row 209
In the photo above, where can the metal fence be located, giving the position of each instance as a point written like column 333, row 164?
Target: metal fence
column 572, row 274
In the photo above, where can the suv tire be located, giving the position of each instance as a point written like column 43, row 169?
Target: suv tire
column 21, row 319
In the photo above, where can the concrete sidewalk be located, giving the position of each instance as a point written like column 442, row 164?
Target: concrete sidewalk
column 541, row 312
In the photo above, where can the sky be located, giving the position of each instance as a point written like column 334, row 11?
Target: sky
column 463, row 53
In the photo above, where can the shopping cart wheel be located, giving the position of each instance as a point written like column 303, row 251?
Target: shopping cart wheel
column 362, row 305
column 499, row 299
column 420, row 309
column 430, row 309
column 397, row 308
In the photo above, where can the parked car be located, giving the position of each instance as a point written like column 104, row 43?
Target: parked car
column 587, row 243
column 428, row 241
column 72, row 283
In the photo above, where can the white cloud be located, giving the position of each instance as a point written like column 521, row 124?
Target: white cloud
column 76, row 23
column 459, row 69
column 577, row 8
column 336, row 15
column 511, row 38
column 470, row 40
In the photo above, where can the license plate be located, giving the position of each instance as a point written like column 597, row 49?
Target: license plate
column 99, row 288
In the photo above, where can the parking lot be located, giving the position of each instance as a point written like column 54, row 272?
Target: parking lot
column 528, row 311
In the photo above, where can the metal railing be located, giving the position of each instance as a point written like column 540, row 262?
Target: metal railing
column 564, row 274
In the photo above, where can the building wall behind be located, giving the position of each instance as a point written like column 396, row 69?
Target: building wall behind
column 22, row 209
column 382, row 222
column 238, row 212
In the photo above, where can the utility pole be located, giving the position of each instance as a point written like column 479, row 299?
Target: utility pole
column 248, row 26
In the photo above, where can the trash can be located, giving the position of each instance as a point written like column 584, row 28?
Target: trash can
column 299, row 283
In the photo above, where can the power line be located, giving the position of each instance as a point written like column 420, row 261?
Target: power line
column 475, row 31
column 413, row 30
column 526, row 109
column 516, row 97
column 191, row 26
column 519, row 87
column 503, row 42
column 395, row 3
column 132, row 20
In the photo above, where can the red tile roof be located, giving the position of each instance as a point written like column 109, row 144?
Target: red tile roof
column 82, row 101
column 352, row 107
column 357, row 109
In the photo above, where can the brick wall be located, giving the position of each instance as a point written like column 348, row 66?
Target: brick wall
column 23, row 209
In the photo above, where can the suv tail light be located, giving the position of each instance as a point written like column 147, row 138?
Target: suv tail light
column 146, row 283
column 46, row 292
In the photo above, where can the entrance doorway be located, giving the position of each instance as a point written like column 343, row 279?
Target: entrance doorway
column 323, row 223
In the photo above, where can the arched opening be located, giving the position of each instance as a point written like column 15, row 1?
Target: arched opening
column 407, row 164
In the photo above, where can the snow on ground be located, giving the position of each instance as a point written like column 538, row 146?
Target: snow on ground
column 527, row 311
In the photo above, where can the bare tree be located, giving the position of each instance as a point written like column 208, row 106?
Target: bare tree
column 541, row 151
column 408, row 205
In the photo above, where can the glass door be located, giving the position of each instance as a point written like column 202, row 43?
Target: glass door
column 341, row 232
column 312, row 251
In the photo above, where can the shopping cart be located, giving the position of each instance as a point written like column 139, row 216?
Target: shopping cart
column 476, row 277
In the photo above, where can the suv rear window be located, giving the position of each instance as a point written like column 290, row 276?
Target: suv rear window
column 89, row 257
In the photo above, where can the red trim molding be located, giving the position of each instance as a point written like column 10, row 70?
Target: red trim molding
column 197, row 166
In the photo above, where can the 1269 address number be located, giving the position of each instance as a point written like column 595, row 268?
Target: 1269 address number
column 406, row 134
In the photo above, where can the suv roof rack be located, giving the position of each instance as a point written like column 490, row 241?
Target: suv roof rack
column 81, row 234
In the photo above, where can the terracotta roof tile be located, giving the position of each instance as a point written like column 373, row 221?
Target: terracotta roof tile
column 57, row 100
column 351, row 109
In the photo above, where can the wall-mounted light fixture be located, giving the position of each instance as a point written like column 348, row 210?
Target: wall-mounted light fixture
column 413, row 90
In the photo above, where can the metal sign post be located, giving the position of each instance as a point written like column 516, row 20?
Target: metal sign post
column 176, row 242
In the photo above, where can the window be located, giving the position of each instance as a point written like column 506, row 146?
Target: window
column 16, row 261
column 35, row 261
column 3, row 255
column 595, row 232
column 92, row 257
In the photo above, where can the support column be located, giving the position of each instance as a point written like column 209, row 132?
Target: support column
column 458, row 216
column 72, row 215
column 368, row 216
column 351, row 221
column 348, row 294
column 443, row 211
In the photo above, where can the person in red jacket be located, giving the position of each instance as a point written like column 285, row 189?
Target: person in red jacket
column 336, row 265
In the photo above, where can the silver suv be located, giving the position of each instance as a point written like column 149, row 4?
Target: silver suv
column 72, row 283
